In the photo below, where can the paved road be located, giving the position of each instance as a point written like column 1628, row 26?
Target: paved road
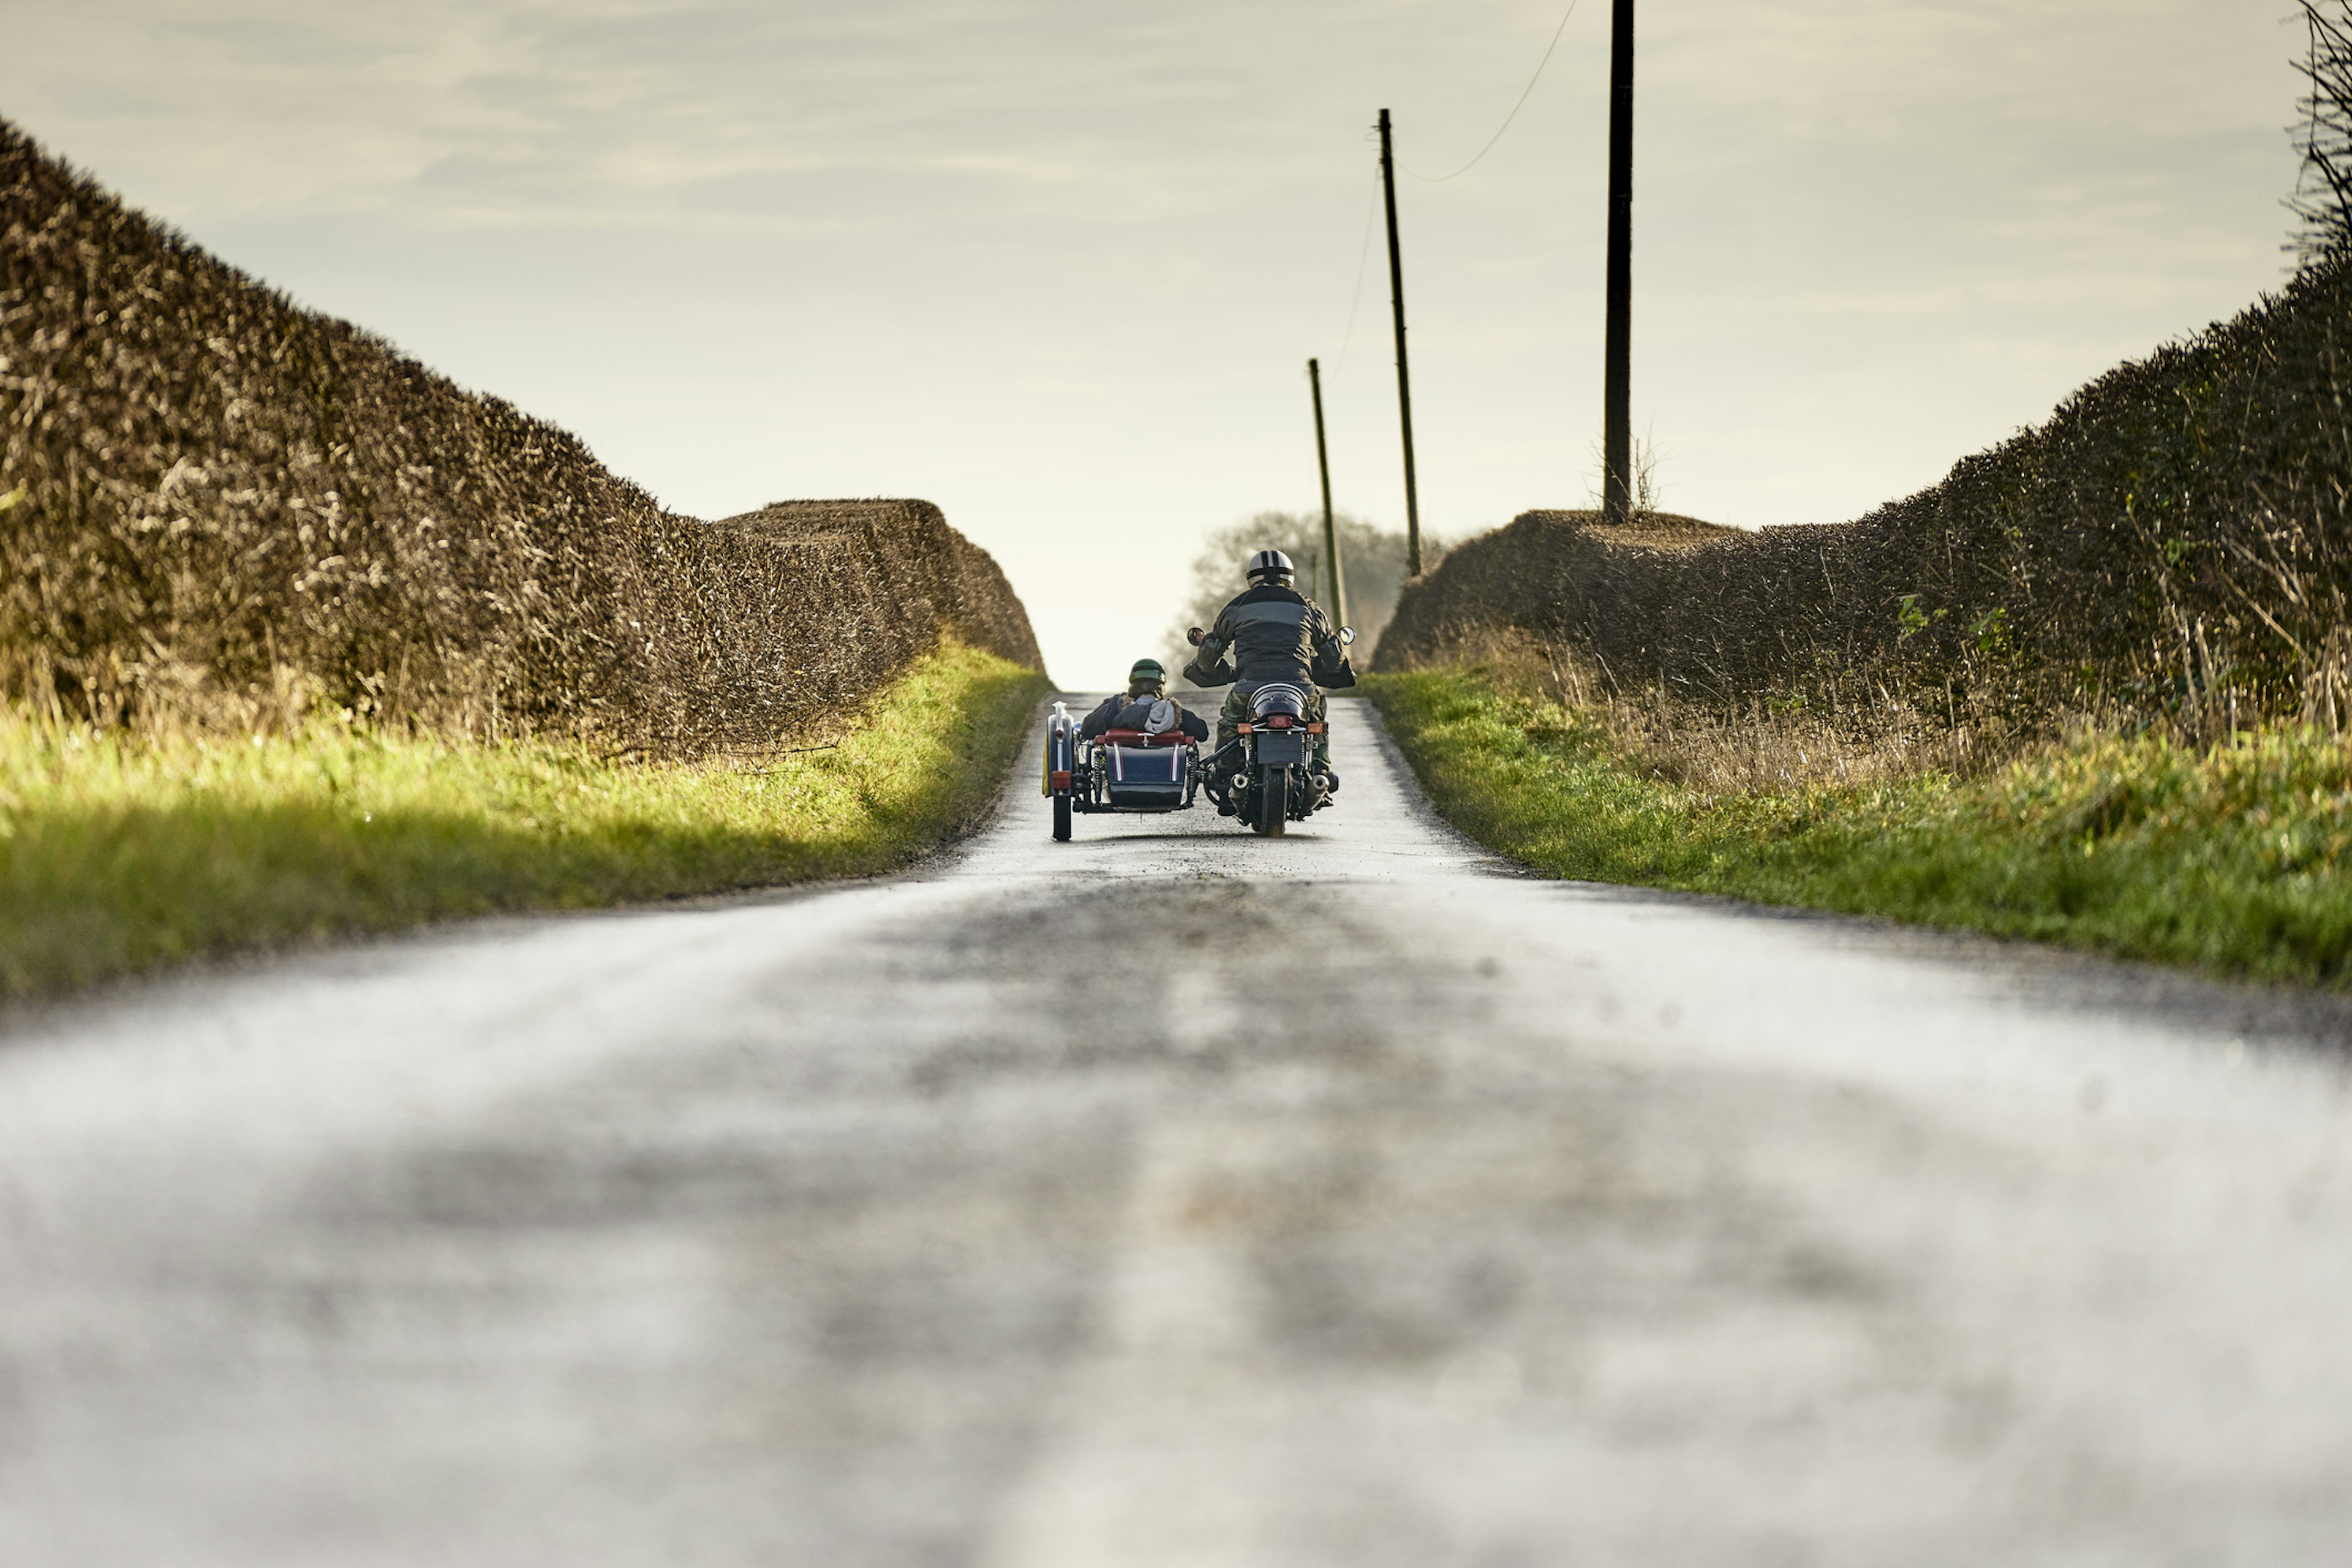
column 1176, row 1198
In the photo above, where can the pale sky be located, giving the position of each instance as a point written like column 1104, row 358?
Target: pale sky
column 1058, row 264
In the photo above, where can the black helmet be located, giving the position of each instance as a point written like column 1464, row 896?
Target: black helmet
column 1270, row 566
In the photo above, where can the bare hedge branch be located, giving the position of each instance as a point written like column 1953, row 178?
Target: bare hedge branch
column 2322, row 201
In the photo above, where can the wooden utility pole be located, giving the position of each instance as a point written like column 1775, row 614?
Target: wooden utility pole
column 1404, row 378
column 1617, row 375
column 1330, row 528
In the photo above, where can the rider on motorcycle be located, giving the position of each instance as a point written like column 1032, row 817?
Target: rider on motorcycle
column 1271, row 633
column 1146, row 706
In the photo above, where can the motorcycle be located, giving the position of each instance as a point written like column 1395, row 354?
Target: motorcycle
column 1273, row 772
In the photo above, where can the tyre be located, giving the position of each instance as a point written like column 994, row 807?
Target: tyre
column 1274, row 802
column 1061, row 819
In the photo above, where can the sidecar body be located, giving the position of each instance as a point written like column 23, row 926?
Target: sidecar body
column 1120, row 769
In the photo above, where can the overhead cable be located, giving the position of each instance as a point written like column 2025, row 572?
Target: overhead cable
column 1371, row 210
column 1556, row 32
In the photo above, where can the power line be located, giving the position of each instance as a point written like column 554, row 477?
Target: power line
column 1514, row 114
column 1371, row 210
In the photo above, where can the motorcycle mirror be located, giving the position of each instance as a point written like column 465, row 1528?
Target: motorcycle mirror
column 1347, row 633
column 1194, row 636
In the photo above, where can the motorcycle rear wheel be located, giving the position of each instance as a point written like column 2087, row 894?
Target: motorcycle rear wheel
column 1061, row 819
column 1274, row 802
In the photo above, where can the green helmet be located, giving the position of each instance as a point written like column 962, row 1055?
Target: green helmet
column 1147, row 670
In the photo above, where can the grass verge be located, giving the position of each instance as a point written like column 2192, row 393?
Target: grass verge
column 2230, row 860
column 118, row 854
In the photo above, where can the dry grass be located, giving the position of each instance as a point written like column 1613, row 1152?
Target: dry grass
column 1764, row 745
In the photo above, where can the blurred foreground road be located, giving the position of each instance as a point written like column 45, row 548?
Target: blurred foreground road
column 1176, row 1198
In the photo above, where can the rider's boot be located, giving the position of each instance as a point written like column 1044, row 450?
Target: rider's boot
column 1212, row 780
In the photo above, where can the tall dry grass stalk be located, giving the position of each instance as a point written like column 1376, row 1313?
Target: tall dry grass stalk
column 1766, row 745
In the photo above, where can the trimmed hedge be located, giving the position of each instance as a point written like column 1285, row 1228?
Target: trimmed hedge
column 213, row 501
column 2172, row 545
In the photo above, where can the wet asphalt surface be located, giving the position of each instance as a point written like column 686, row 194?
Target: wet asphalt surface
column 1174, row 1197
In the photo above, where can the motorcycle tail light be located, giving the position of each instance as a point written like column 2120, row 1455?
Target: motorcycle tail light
column 1280, row 722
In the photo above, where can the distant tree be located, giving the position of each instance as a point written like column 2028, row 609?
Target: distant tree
column 2323, row 194
column 1371, row 560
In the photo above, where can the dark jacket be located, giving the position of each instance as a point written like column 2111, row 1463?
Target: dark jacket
column 1272, row 634
column 1133, row 713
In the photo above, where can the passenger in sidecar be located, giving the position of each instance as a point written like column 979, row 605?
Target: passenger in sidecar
column 1139, row 751
column 1146, row 708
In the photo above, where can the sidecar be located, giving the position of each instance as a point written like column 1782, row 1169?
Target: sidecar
column 1120, row 769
